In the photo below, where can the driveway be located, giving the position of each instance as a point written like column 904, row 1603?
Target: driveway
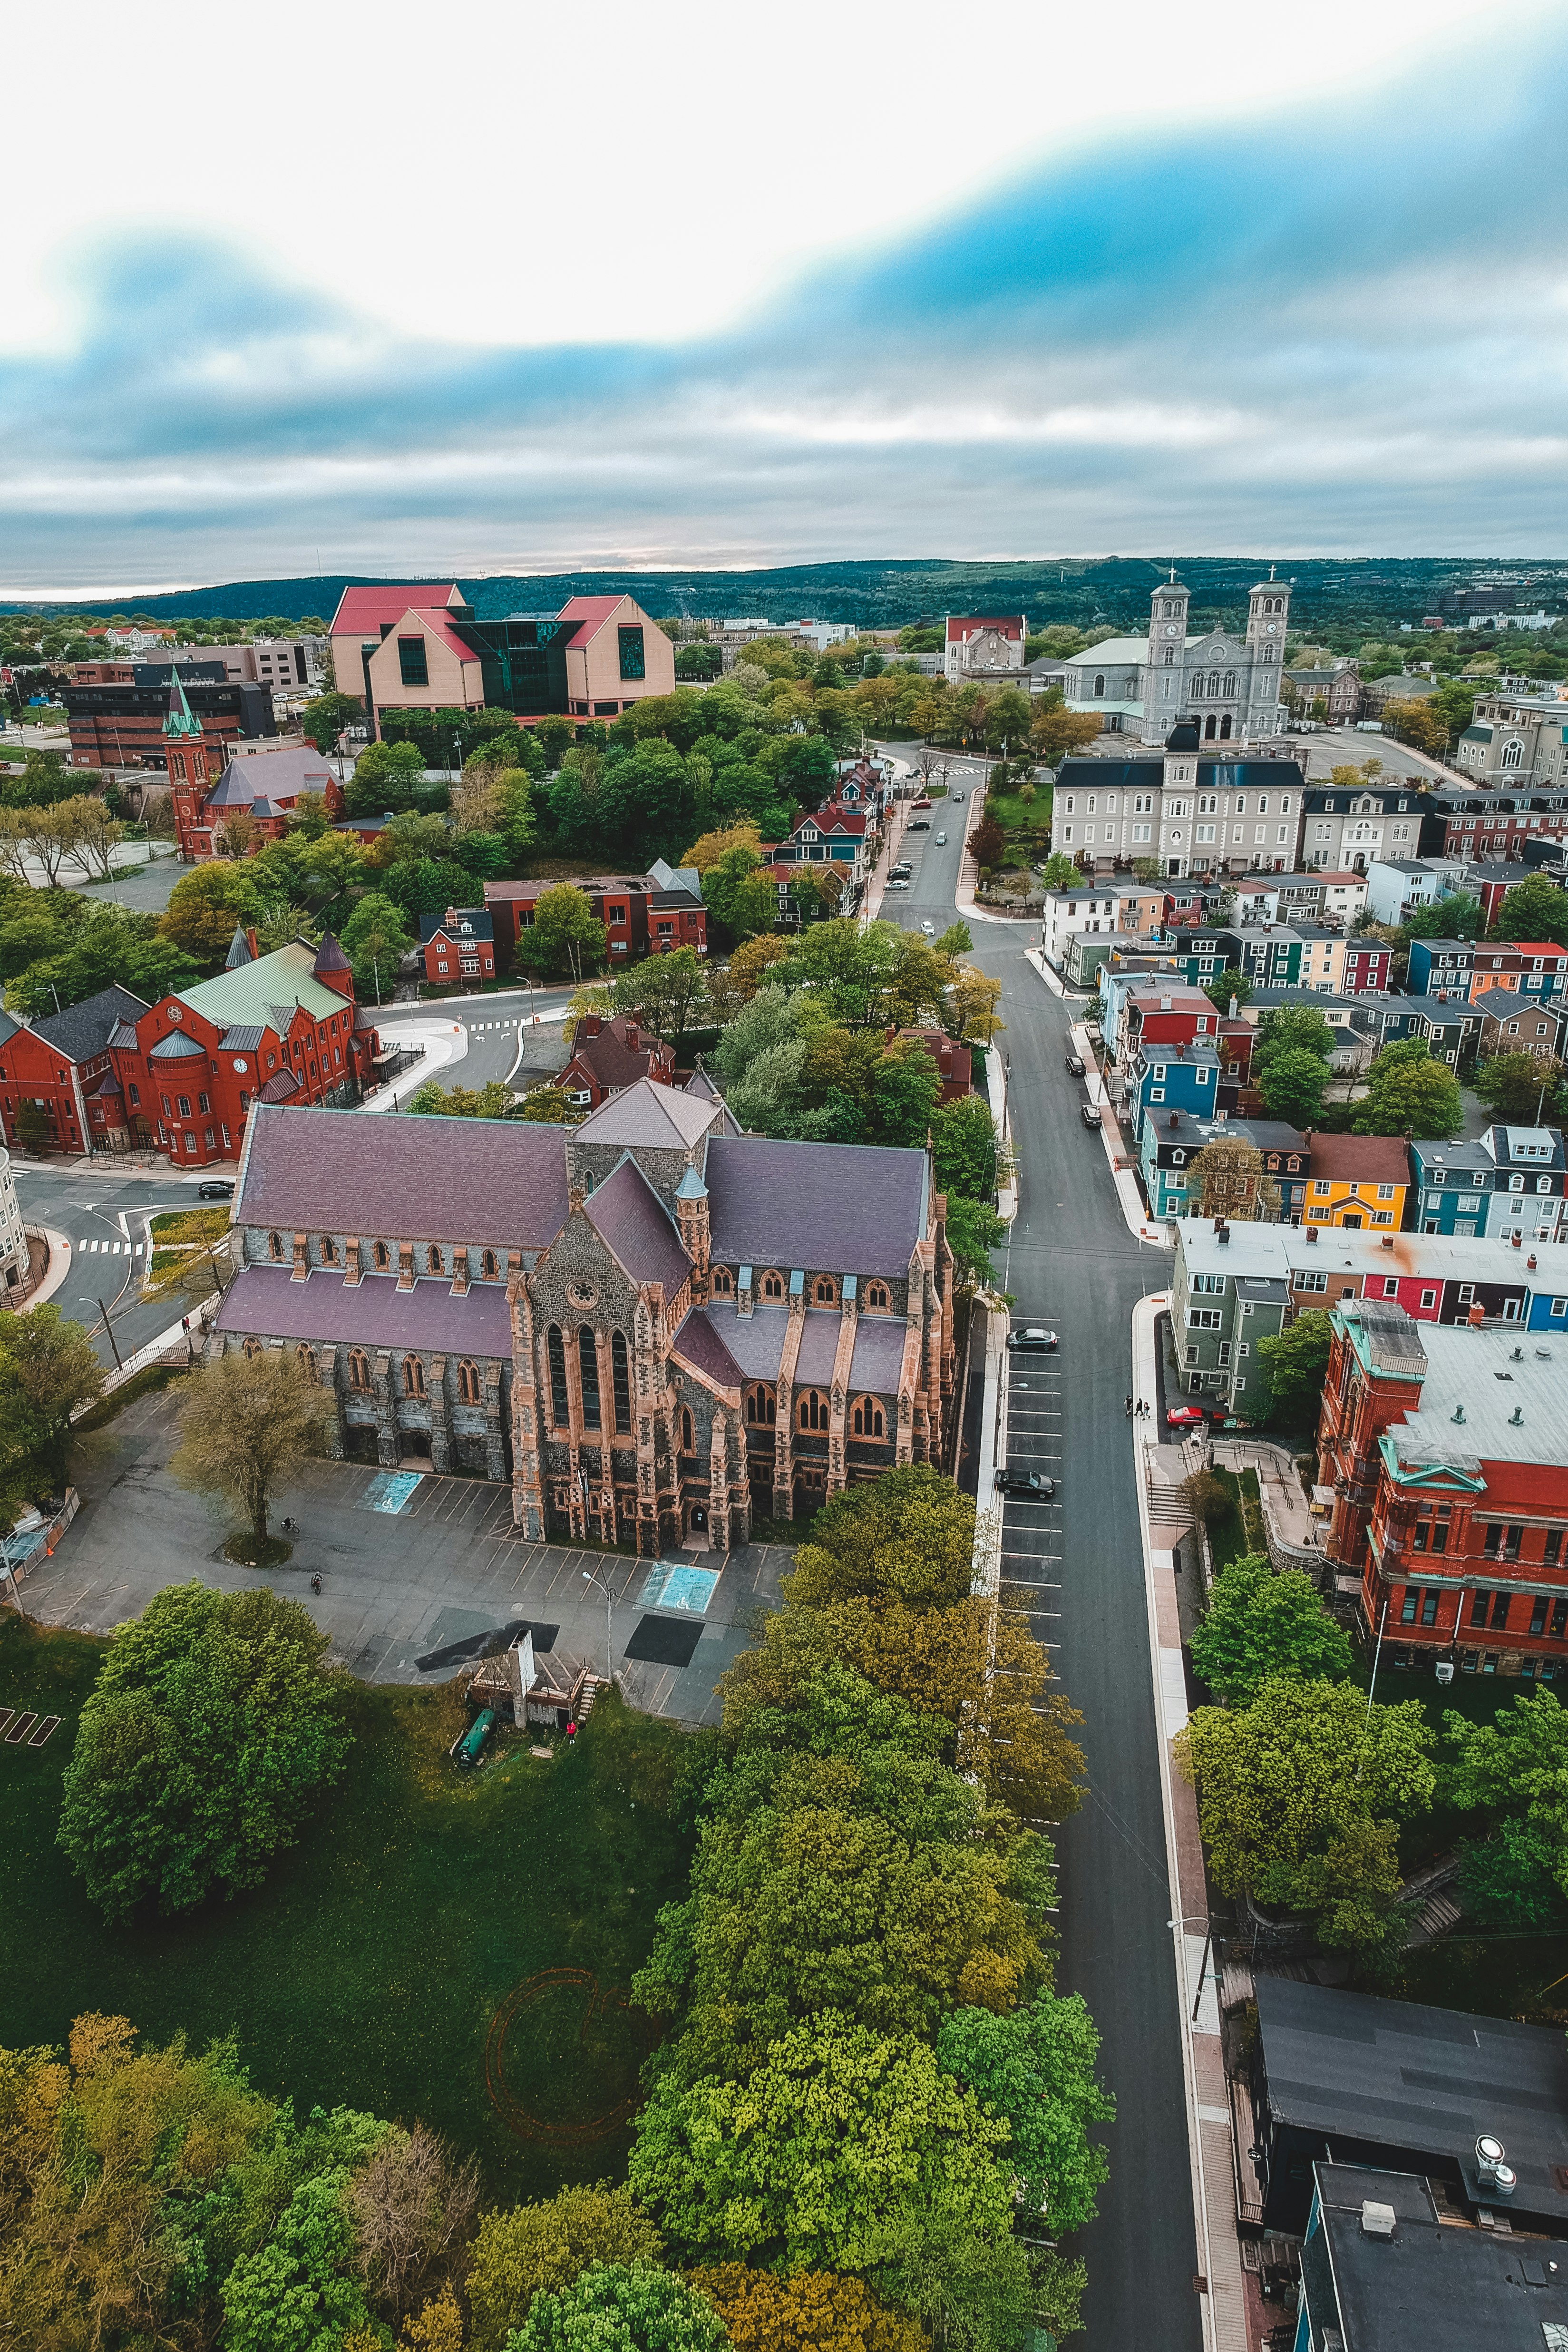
column 418, row 1574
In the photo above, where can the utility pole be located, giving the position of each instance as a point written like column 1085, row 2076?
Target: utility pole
column 109, row 1329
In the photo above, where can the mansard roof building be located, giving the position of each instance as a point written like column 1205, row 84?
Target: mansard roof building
column 654, row 1326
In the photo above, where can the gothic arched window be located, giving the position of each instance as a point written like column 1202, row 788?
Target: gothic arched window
column 306, row 1359
column 811, row 1413
column 772, row 1285
column 433, row 1259
column 275, row 1246
column 876, row 1297
column 825, row 1291
column 761, row 1405
column 722, row 1285
column 688, row 1431
column 359, row 1371
column 328, row 1250
column 588, row 1374
column 413, row 1377
column 468, row 1384
column 867, row 1419
column 556, row 1351
column 1099, row 682
column 621, row 1378
column 1513, row 755
column 487, row 1266
column 382, row 1257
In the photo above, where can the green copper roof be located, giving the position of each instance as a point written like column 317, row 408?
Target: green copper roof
column 245, row 997
column 182, row 721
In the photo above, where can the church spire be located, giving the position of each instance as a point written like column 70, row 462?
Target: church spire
column 182, row 719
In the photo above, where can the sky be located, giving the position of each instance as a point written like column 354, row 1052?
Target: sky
column 529, row 289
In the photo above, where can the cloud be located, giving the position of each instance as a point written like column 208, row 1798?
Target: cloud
column 1337, row 326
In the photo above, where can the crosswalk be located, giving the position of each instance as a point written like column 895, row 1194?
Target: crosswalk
column 113, row 1249
column 476, row 1028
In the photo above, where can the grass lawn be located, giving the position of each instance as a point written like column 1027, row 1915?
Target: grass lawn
column 188, row 1228
column 1242, row 1531
column 369, row 1968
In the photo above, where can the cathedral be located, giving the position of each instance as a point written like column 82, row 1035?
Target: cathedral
column 1225, row 682
column 654, row 1326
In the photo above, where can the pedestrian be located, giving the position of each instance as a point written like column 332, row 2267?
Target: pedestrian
column 1129, row 1408
column 316, row 1584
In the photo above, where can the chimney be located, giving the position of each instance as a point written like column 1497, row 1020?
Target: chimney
column 1175, row 1121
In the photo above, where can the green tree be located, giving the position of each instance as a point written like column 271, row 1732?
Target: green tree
column 539, row 2248
column 387, row 776
column 48, row 1369
column 204, row 1740
column 565, row 932
column 669, row 992
column 1298, row 1359
column 494, row 1099
column 905, row 1085
column 1228, row 985
column 1292, row 1087
column 1520, row 1088
column 298, row 2292
column 1409, row 1093
column 206, row 905
column 1516, row 1767
column 1535, row 908
column 1301, row 1795
column 247, row 1423
column 964, row 1146
column 812, row 2310
column 1060, row 872
column 1292, row 1029
column 323, row 720
column 1455, row 918
column 1035, row 2069
column 740, row 898
column 622, row 2308
column 974, row 1231
column 375, row 940
column 840, row 2141
column 1260, row 1622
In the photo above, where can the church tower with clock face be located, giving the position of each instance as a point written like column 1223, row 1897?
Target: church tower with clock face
column 1267, row 611
column 1164, row 676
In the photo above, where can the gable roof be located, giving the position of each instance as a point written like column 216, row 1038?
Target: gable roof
column 634, row 1225
column 82, row 1030
column 698, row 1344
column 650, row 1114
column 282, row 774
column 372, row 1313
column 590, row 612
column 428, row 1179
column 473, row 923
column 609, row 1058
column 260, row 991
column 361, row 610
column 1362, row 1159
column 835, row 1207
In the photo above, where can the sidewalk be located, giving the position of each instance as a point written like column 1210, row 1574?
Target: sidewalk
column 1210, row 2134
column 444, row 1042
column 1285, row 1511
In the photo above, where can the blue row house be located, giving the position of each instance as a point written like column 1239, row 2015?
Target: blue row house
column 1508, row 1184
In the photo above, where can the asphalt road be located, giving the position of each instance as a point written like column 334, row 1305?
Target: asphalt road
column 1072, row 1265
column 103, row 1213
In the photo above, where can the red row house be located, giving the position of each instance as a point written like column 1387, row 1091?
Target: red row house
column 180, row 1077
column 644, row 914
column 459, row 947
column 609, row 1056
column 1444, row 1448
column 265, row 787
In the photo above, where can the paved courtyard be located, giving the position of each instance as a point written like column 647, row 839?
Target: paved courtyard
column 419, row 1573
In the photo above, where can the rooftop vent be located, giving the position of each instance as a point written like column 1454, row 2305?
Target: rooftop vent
column 1517, row 1356
column 1388, row 1241
column 1376, row 2220
column 1222, row 1232
column 1312, row 1233
column 1458, row 1412
column 1516, row 1418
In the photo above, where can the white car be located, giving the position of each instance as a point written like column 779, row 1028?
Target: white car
column 930, row 929
column 941, row 841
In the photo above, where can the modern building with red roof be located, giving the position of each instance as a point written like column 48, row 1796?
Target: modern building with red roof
column 425, row 648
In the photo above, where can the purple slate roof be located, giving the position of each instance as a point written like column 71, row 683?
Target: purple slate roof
column 375, row 1314
column 258, row 775
column 700, row 1345
column 819, row 1344
column 755, row 1341
column 631, row 1221
column 833, row 1208
column 878, row 1353
column 340, row 1172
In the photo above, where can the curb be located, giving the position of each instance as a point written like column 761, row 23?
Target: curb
column 60, row 1266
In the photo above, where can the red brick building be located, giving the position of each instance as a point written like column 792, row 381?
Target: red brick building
column 1443, row 1449
column 644, row 914
column 181, row 1076
column 184, row 717
column 953, row 1059
column 53, row 1073
column 265, row 786
column 606, row 1056
column 459, row 947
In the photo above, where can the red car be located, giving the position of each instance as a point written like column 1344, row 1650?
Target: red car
column 1185, row 1416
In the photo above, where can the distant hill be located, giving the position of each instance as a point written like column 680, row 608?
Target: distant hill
column 1105, row 590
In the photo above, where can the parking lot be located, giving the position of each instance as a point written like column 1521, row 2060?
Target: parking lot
column 1031, row 1526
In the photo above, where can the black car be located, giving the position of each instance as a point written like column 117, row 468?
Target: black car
column 215, row 1191
column 1090, row 1113
column 1033, row 1341
column 920, row 825
column 1032, row 1484
column 1075, row 1066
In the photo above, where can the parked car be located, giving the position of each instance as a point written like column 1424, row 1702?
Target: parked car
column 920, row 825
column 1032, row 1340
column 903, row 869
column 1090, row 1114
column 941, row 841
column 1185, row 1416
column 1075, row 1066
column 898, row 882
column 215, row 1191
column 1031, row 1484
column 930, row 929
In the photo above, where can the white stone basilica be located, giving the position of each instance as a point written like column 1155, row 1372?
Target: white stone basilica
column 1228, row 686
